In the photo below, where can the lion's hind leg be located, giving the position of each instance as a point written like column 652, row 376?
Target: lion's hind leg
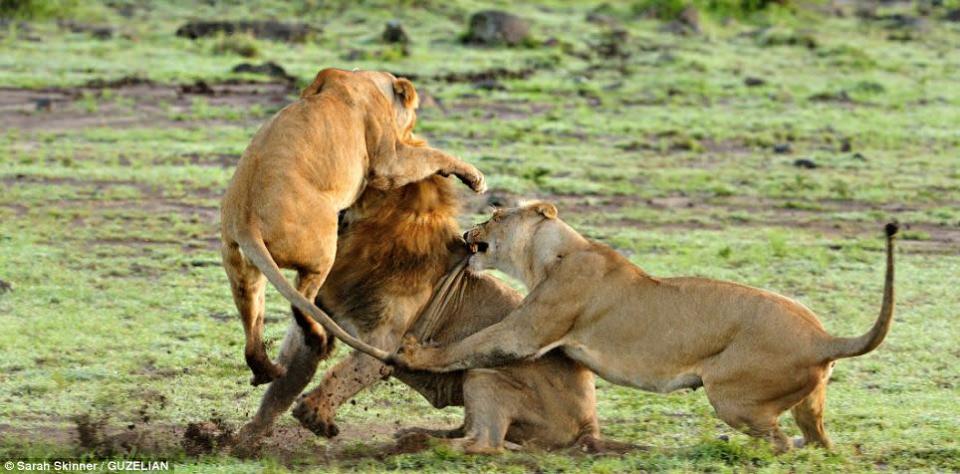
column 248, row 286
column 490, row 405
column 809, row 416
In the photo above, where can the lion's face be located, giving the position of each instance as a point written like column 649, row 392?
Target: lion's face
column 504, row 241
column 402, row 96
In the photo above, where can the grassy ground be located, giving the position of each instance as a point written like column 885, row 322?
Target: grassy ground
column 654, row 142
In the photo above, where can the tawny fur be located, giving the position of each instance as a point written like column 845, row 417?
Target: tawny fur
column 395, row 247
column 308, row 162
column 755, row 353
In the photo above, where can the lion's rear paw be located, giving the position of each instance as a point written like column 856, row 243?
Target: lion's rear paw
column 265, row 371
column 315, row 419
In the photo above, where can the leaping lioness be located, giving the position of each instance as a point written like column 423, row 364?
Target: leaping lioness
column 311, row 160
column 755, row 353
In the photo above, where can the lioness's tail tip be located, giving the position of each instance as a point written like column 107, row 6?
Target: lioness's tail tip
column 892, row 228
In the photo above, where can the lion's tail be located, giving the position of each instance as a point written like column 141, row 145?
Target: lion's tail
column 256, row 252
column 841, row 347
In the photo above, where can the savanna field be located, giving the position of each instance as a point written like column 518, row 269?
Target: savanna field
column 761, row 143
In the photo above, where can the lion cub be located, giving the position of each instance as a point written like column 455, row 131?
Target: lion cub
column 755, row 353
column 308, row 162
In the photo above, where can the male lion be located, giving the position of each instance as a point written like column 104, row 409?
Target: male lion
column 395, row 248
column 755, row 353
column 307, row 163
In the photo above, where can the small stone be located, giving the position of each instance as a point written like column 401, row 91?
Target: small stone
column 845, row 145
column 43, row 104
column 603, row 19
column 805, row 163
column 489, row 85
column 394, row 33
column 690, row 17
column 494, row 27
column 782, row 148
column 754, row 81
column 268, row 68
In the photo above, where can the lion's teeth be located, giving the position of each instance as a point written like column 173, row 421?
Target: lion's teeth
column 473, row 248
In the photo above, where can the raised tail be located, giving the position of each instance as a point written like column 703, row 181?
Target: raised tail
column 256, row 252
column 841, row 347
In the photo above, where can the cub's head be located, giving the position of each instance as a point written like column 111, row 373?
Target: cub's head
column 399, row 92
column 507, row 241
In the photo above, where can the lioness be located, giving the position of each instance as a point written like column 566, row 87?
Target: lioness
column 395, row 248
column 755, row 353
column 307, row 163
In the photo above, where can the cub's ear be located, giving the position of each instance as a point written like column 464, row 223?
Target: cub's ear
column 406, row 92
column 546, row 209
column 323, row 76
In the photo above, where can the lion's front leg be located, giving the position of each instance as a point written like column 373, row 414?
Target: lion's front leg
column 317, row 409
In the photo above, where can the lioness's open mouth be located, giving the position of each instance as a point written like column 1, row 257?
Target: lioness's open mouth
column 479, row 247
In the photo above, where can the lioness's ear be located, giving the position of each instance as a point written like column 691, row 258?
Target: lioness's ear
column 406, row 92
column 546, row 209
column 317, row 85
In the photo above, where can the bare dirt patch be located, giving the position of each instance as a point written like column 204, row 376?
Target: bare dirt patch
column 132, row 103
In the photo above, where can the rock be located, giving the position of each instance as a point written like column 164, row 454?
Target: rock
column 845, row 145
column 273, row 30
column 613, row 45
column 805, row 163
column 604, row 15
column 859, row 156
column 43, row 104
column 953, row 15
column 841, row 96
column 782, row 148
column 5, row 287
column 269, row 68
column 690, row 17
column 394, row 33
column 602, row 19
column 355, row 55
column 102, row 32
column 200, row 87
column 495, row 27
column 489, row 85
column 687, row 22
column 754, row 81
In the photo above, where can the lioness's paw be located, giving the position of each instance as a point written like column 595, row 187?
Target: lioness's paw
column 266, row 372
column 413, row 355
column 474, row 178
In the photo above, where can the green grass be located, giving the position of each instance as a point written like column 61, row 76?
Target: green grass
column 109, row 222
